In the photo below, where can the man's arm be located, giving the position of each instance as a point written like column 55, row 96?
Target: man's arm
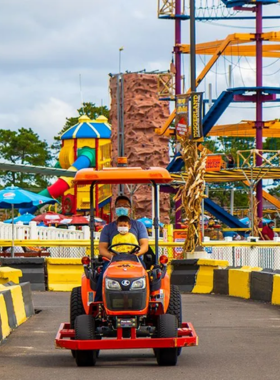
column 144, row 246
column 103, row 250
column 104, row 243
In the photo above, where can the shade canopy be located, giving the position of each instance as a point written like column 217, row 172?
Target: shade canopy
column 22, row 198
column 148, row 223
column 15, row 197
column 24, row 218
column 247, row 221
column 49, row 218
column 75, row 220
column 123, row 175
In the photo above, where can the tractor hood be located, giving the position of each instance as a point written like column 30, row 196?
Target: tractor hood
column 125, row 269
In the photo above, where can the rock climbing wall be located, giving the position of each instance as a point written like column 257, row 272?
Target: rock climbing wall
column 143, row 112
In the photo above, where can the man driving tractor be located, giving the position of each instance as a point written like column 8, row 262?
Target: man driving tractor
column 140, row 308
column 122, row 207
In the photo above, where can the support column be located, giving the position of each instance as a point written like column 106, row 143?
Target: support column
column 178, row 90
column 177, row 52
column 259, row 113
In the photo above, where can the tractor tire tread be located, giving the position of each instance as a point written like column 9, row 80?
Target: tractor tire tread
column 85, row 330
column 76, row 305
column 175, row 303
column 167, row 328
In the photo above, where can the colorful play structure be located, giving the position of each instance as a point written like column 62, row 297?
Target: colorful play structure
column 245, row 44
column 85, row 145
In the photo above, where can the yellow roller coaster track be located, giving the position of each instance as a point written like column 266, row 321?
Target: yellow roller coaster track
column 229, row 46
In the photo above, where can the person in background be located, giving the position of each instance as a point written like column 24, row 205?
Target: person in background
column 211, row 222
column 212, row 232
column 267, row 231
column 230, row 161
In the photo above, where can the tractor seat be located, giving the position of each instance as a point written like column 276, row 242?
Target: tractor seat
column 149, row 258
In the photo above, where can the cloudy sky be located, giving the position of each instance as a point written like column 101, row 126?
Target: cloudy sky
column 45, row 45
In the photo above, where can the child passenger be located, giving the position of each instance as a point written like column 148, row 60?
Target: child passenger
column 124, row 236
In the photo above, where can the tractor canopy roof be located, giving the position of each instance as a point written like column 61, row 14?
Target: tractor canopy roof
column 122, row 175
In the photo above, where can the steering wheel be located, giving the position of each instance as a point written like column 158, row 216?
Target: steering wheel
column 134, row 250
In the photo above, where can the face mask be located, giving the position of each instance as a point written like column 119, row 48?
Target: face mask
column 122, row 211
column 123, row 230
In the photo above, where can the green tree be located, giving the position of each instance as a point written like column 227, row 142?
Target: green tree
column 23, row 147
column 211, row 144
column 89, row 109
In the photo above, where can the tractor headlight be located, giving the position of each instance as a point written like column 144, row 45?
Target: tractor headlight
column 138, row 284
column 112, row 284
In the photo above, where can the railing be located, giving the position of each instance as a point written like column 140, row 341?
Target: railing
column 34, row 232
column 166, row 7
column 248, row 158
column 166, row 85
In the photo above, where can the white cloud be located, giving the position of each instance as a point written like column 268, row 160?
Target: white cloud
column 46, row 44
column 48, row 117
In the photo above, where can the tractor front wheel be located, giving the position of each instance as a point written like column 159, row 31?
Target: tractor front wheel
column 85, row 330
column 167, row 328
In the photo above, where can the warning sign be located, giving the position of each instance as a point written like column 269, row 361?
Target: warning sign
column 214, row 163
column 182, row 128
column 182, row 115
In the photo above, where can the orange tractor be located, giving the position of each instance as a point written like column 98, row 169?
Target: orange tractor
column 140, row 309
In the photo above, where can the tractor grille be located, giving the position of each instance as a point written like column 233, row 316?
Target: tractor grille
column 126, row 300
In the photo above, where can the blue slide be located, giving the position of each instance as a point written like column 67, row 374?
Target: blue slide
column 222, row 215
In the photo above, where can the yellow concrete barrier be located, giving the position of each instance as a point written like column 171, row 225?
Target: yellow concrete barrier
column 64, row 274
column 15, row 307
column 205, row 276
column 8, row 274
column 275, row 299
column 239, row 281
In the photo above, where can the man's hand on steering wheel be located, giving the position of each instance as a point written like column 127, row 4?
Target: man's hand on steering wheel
column 135, row 250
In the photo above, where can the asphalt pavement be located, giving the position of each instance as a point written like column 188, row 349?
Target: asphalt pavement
column 238, row 340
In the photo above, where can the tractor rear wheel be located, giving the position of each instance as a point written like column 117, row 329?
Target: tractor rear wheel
column 175, row 306
column 85, row 330
column 167, row 328
column 76, row 308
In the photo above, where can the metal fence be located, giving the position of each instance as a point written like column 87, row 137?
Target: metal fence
column 254, row 256
column 264, row 255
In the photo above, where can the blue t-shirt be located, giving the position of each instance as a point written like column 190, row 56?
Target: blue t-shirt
column 137, row 228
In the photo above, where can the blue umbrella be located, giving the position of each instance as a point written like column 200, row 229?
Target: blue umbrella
column 15, row 196
column 247, row 221
column 25, row 219
column 148, row 223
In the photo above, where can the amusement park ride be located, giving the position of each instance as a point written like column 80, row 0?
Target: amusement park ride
column 88, row 144
column 257, row 45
